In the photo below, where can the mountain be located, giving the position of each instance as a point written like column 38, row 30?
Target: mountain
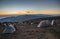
column 21, row 18
column 1, row 17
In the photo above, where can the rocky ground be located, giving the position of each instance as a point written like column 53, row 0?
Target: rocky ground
column 27, row 31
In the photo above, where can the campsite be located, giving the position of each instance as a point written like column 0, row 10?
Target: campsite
column 29, row 19
column 28, row 29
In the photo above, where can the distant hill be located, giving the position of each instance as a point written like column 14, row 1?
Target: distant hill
column 21, row 18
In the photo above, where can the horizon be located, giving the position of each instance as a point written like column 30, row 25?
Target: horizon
column 24, row 13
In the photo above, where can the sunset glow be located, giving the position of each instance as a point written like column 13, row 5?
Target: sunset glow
column 16, row 7
column 22, row 13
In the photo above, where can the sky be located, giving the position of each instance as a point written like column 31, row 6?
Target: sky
column 34, row 6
